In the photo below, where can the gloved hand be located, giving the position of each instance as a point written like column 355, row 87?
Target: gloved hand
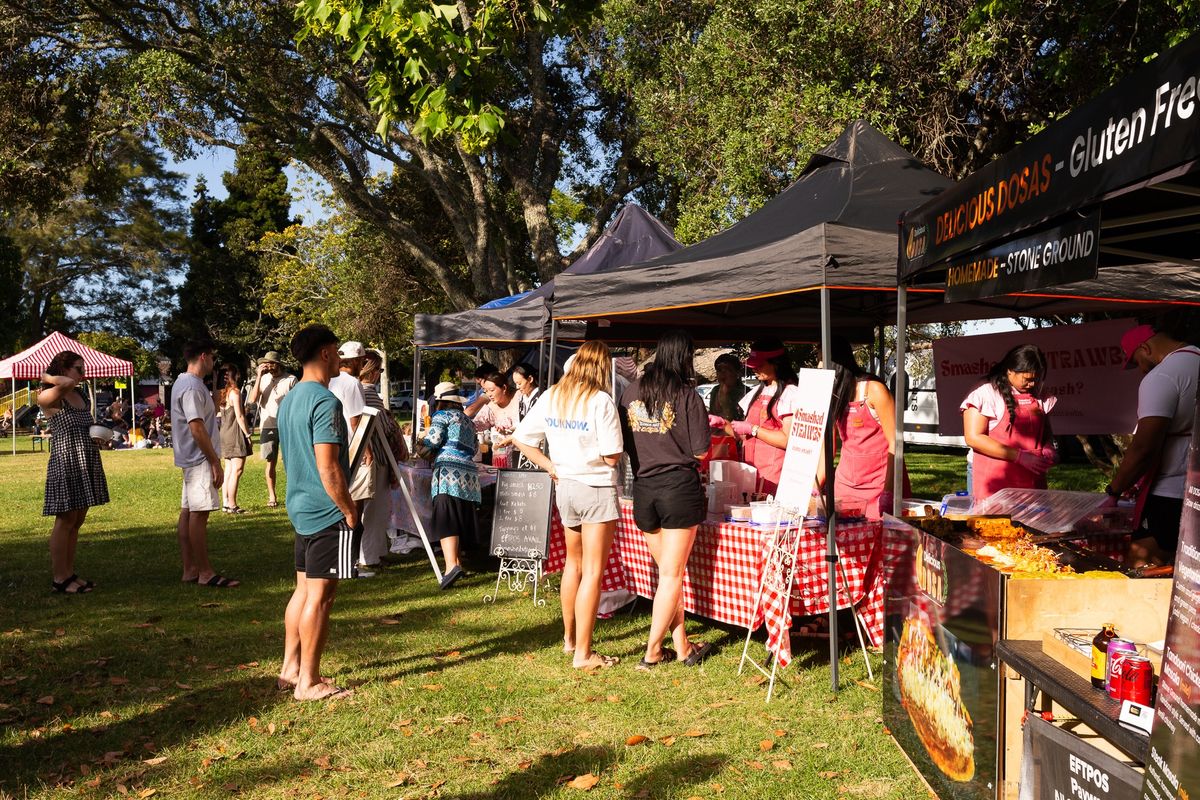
column 1109, row 503
column 741, row 427
column 1034, row 461
column 716, row 422
column 1050, row 452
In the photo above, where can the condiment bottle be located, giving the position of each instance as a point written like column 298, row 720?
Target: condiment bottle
column 1100, row 654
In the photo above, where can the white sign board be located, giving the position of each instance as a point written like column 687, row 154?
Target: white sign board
column 805, row 439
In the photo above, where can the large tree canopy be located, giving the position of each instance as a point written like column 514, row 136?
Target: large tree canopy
column 732, row 96
column 220, row 67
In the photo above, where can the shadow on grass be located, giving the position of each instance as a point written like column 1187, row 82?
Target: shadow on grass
column 544, row 775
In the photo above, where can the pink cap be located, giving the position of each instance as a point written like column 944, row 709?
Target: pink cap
column 759, row 357
column 1132, row 339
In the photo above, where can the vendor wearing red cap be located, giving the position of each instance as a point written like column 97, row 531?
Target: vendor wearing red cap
column 1155, row 462
column 767, row 410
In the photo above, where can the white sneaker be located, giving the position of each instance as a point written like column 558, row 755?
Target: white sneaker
column 363, row 572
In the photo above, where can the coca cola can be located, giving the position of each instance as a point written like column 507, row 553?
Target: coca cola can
column 1137, row 675
column 1117, row 650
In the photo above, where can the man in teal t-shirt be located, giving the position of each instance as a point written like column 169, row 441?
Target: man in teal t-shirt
column 312, row 436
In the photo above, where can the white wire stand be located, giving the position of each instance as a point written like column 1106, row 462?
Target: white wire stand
column 779, row 570
column 519, row 572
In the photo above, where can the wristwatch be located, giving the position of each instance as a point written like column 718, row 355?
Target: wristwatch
column 1111, row 492
column 754, row 432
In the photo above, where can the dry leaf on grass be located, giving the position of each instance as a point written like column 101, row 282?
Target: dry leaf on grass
column 47, row 700
column 507, row 721
column 432, row 687
column 636, row 739
column 830, row 774
column 780, row 732
column 694, row 734
column 183, row 685
column 782, row 764
column 584, row 782
column 147, row 792
column 154, row 762
column 399, row 780
column 526, row 764
column 271, row 728
column 867, row 685
column 389, row 621
column 819, row 745
column 614, row 698
column 756, row 765
column 667, row 741
column 322, row 762
column 766, row 744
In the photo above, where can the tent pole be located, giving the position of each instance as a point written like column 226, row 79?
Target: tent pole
column 14, row 416
column 831, row 554
column 553, row 352
column 416, row 403
column 541, row 365
column 901, row 395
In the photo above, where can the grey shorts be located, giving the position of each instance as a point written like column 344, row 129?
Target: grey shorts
column 579, row 503
column 269, row 444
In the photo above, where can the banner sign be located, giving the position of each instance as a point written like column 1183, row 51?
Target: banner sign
column 805, row 439
column 1173, row 769
column 1064, row 767
column 1063, row 254
column 1143, row 126
column 1085, row 372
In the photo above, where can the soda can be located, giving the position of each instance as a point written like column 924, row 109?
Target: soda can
column 1117, row 649
column 1137, row 675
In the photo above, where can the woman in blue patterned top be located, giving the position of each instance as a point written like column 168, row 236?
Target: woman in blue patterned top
column 450, row 442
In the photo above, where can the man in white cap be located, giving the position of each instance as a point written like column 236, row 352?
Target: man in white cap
column 349, row 391
column 271, row 385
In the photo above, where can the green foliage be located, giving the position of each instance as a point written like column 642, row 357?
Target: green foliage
column 732, row 97
column 100, row 257
column 12, row 309
column 434, row 68
column 222, row 295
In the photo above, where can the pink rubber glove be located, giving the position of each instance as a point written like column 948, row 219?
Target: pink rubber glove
column 1034, row 461
column 741, row 428
column 716, row 422
column 1050, row 452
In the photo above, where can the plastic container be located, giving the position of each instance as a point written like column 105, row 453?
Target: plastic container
column 739, row 513
column 914, row 507
column 764, row 512
column 958, row 504
column 1045, row 510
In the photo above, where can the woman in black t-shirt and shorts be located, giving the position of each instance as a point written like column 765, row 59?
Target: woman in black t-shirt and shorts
column 666, row 433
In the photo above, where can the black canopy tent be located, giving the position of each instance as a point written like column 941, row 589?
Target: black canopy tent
column 633, row 235
column 1129, row 156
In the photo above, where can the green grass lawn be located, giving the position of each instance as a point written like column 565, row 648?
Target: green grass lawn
column 148, row 686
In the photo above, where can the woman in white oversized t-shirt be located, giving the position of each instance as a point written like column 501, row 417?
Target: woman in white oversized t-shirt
column 578, row 419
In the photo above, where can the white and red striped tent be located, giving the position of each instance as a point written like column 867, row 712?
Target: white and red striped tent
column 30, row 363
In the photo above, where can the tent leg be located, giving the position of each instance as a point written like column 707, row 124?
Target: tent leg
column 831, row 556
column 14, row 416
column 553, row 353
column 416, row 404
column 901, row 395
column 541, row 365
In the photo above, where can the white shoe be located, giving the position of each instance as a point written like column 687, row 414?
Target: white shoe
column 363, row 572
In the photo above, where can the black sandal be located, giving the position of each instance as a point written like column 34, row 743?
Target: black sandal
column 221, row 582
column 668, row 655
column 83, row 587
column 698, row 653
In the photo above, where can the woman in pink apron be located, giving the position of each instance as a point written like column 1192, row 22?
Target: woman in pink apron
column 865, row 416
column 767, row 408
column 1004, row 422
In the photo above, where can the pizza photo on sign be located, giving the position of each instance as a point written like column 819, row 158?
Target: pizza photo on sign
column 931, row 694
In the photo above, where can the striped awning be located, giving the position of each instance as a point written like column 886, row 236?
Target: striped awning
column 29, row 364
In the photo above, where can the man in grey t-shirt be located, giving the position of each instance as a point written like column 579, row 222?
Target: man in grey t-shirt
column 194, row 428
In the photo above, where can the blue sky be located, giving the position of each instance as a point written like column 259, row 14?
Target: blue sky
column 213, row 163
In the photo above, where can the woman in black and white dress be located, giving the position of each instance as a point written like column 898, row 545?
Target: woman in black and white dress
column 75, row 475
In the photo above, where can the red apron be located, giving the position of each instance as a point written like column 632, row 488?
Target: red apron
column 990, row 475
column 766, row 458
column 1146, row 482
column 862, row 468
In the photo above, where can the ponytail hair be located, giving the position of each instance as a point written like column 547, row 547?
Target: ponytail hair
column 1022, row 358
column 671, row 373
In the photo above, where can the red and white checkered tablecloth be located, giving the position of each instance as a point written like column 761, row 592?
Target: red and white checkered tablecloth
column 613, row 577
column 726, row 566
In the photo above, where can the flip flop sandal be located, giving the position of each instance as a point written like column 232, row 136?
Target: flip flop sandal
column 605, row 663
column 272, row 504
column 699, row 653
column 221, row 582
column 62, row 587
column 668, row 655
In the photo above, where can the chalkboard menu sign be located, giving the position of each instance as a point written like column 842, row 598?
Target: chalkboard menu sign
column 521, row 522
column 1173, row 769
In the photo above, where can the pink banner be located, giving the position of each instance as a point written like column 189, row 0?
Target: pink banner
column 1095, row 395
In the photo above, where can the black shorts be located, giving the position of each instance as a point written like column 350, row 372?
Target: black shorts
column 330, row 553
column 453, row 516
column 673, row 499
column 1160, row 519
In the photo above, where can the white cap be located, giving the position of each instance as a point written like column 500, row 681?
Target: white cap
column 351, row 350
